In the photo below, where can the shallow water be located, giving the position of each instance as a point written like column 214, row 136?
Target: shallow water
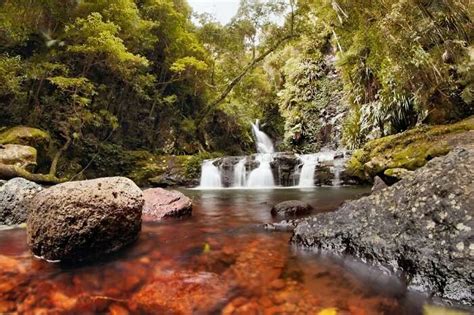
column 219, row 261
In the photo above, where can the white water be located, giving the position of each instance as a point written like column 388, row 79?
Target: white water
column 262, row 176
column 263, row 142
column 240, row 174
column 310, row 161
column 210, row 175
column 336, row 170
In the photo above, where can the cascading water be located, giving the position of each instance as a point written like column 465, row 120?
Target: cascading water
column 240, row 174
column 311, row 170
column 337, row 169
column 262, row 176
column 310, row 161
column 263, row 142
column 210, row 175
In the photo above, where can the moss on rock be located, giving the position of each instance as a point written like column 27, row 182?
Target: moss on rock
column 25, row 136
column 409, row 150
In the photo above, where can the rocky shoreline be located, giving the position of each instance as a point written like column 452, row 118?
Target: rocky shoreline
column 420, row 228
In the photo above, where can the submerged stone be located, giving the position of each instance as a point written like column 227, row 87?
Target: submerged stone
column 84, row 220
column 421, row 227
column 290, row 209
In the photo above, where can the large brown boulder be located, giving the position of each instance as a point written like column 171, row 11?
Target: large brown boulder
column 83, row 220
column 161, row 204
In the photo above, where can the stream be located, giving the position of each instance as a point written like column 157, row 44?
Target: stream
column 219, row 261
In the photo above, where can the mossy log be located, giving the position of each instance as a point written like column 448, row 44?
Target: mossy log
column 12, row 171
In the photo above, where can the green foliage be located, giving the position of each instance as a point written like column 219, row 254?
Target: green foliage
column 82, row 69
column 404, row 60
column 10, row 75
column 140, row 75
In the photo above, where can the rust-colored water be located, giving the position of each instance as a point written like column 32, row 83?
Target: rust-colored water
column 220, row 261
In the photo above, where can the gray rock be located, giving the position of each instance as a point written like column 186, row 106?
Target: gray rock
column 2, row 182
column 379, row 184
column 83, row 220
column 421, row 228
column 14, row 197
column 291, row 209
column 397, row 174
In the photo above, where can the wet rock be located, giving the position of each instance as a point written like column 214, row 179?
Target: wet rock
column 83, row 220
column 14, row 197
column 19, row 155
column 161, row 203
column 323, row 175
column 282, row 226
column 379, row 184
column 284, row 166
column 290, row 209
column 420, row 227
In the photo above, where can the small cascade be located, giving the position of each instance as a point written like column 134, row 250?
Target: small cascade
column 240, row 174
column 310, row 161
column 210, row 175
column 263, row 142
column 262, row 176
column 336, row 170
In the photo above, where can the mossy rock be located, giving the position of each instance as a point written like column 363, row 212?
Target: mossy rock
column 409, row 150
column 23, row 135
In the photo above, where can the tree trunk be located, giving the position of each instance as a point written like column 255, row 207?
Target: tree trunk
column 57, row 156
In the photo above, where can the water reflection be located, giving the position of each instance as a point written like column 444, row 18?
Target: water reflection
column 218, row 261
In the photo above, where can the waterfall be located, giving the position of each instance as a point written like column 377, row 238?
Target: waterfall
column 240, row 174
column 310, row 161
column 268, row 169
column 263, row 142
column 210, row 175
column 336, row 170
column 262, row 176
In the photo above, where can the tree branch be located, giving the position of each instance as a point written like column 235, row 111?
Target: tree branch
column 12, row 171
column 239, row 77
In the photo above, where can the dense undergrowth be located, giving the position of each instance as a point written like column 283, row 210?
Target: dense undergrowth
column 326, row 74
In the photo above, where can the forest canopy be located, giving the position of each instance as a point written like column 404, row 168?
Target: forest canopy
column 152, row 75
